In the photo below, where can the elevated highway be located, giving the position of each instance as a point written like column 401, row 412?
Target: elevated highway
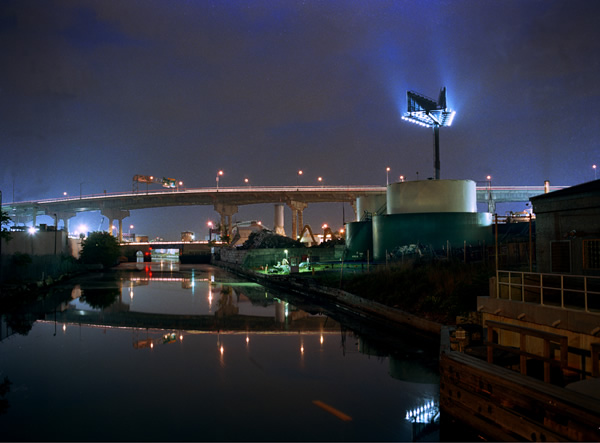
column 117, row 206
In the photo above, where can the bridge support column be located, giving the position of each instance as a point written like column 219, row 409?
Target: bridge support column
column 115, row 214
column 65, row 216
column 297, row 216
column 225, row 211
column 278, row 225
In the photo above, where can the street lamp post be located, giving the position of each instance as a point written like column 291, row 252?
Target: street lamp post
column 387, row 176
column 220, row 173
column 594, row 166
column 298, row 177
column 55, row 231
column 210, row 225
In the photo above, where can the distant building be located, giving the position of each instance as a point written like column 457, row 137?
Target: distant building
column 43, row 240
column 568, row 230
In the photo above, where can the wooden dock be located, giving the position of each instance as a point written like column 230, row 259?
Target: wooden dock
column 506, row 405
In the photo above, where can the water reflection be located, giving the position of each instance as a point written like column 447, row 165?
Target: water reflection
column 212, row 345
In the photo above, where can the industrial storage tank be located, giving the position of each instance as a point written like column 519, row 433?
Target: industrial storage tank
column 432, row 196
column 370, row 205
column 435, row 231
column 359, row 240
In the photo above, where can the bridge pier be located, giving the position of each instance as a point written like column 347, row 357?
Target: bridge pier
column 65, row 216
column 115, row 214
column 225, row 211
column 297, row 216
column 278, row 225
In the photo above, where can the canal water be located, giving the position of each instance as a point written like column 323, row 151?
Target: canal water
column 169, row 352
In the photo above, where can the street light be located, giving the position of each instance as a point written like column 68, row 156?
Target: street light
column 220, row 173
column 210, row 225
column 387, row 175
column 298, row 177
column 401, row 178
column 594, row 166
column 247, row 181
column 179, row 184
column 320, row 179
column 130, row 228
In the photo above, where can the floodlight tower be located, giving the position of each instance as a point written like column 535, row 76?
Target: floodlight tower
column 425, row 111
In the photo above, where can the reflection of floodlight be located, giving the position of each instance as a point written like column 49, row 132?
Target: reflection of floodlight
column 426, row 112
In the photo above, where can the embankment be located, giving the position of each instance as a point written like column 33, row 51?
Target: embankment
column 307, row 286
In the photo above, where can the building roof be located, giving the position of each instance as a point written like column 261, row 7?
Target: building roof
column 592, row 187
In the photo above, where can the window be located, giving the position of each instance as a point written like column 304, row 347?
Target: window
column 591, row 254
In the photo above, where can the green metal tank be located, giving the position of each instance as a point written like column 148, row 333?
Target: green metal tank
column 435, row 230
column 359, row 240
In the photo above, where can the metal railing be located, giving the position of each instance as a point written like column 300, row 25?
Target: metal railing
column 577, row 292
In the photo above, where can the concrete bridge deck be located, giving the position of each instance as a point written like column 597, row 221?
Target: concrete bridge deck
column 239, row 196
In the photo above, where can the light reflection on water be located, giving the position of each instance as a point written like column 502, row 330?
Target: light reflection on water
column 247, row 366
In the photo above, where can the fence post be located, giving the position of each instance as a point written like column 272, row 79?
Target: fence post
column 562, row 292
column 490, row 339
column 585, row 294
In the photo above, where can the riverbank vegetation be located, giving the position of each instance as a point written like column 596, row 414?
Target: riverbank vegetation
column 436, row 290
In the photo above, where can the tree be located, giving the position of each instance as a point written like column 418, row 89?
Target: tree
column 102, row 248
column 4, row 220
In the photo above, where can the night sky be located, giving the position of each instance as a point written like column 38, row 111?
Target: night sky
column 94, row 92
